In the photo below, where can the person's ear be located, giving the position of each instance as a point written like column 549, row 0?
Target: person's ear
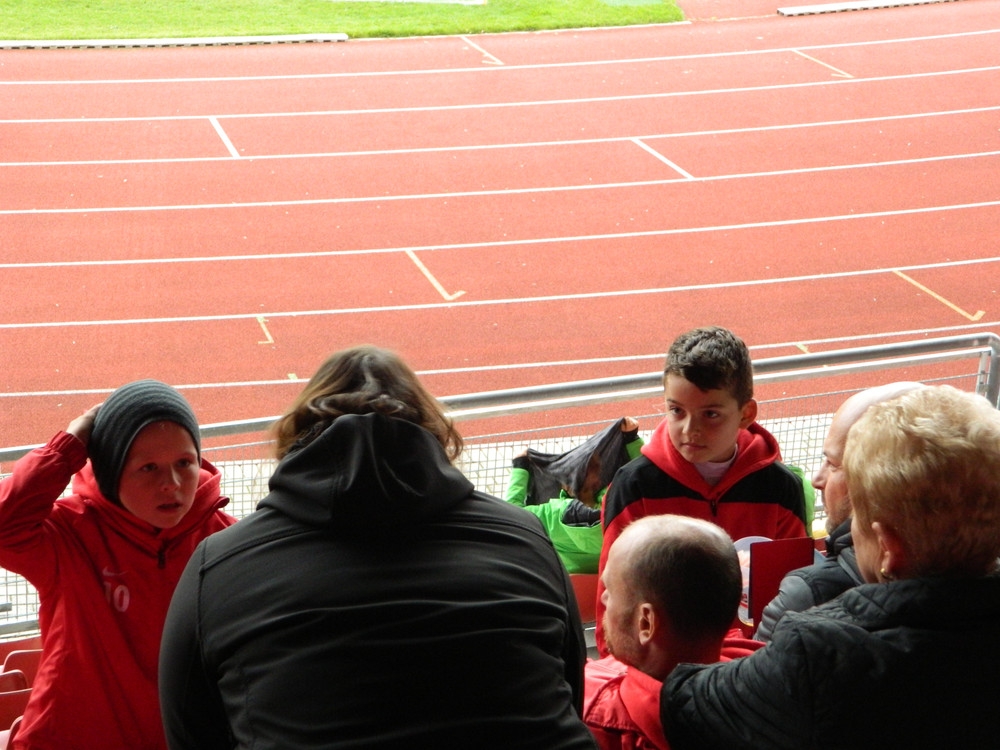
column 748, row 414
column 646, row 623
column 893, row 559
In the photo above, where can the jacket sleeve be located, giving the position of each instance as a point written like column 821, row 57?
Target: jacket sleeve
column 27, row 498
column 517, row 487
column 634, row 445
column 193, row 714
column 791, row 496
column 761, row 700
column 794, row 595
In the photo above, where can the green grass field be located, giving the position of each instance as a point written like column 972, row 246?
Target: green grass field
column 139, row 19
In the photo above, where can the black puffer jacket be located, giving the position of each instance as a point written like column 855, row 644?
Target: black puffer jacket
column 806, row 587
column 911, row 664
column 375, row 600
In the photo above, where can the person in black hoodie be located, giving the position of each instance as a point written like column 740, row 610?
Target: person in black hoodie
column 374, row 599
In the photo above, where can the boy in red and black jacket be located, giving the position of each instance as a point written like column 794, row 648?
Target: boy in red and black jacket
column 708, row 458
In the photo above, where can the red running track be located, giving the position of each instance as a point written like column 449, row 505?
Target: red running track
column 492, row 207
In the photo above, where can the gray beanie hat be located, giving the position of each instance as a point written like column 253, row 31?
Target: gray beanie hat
column 122, row 416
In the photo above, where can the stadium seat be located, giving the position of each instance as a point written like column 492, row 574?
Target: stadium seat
column 26, row 661
column 769, row 562
column 12, row 706
column 12, row 680
column 19, row 644
column 7, row 735
column 585, row 588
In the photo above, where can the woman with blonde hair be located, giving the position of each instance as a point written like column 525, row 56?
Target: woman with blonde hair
column 374, row 599
column 908, row 659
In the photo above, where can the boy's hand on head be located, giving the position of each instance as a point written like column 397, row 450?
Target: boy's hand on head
column 629, row 424
column 81, row 427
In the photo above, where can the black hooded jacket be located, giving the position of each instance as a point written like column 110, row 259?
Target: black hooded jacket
column 374, row 600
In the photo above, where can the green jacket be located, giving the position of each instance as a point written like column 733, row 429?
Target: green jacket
column 577, row 543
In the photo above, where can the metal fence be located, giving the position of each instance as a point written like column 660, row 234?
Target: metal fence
column 797, row 396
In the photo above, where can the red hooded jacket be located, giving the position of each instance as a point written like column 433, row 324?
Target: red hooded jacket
column 757, row 496
column 104, row 579
column 621, row 704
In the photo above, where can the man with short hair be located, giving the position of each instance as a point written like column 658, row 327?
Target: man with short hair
column 814, row 584
column 672, row 585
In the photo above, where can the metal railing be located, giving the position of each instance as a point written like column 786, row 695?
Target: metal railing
column 797, row 396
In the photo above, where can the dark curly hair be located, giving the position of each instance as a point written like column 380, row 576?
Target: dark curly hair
column 712, row 358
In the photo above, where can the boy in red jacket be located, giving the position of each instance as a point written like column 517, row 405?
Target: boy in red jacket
column 105, row 561
column 708, row 458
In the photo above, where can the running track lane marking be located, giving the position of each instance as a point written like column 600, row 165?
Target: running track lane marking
column 837, row 72
column 661, row 157
column 485, row 193
column 225, row 138
column 494, row 146
column 430, row 277
column 978, row 314
column 531, row 241
column 517, row 104
column 487, row 57
column 268, row 338
column 529, row 66
column 482, row 302
column 657, row 358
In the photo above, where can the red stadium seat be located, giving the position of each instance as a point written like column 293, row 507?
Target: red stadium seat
column 12, row 706
column 26, row 661
column 19, row 644
column 585, row 588
column 12, row 680
column 7, row 735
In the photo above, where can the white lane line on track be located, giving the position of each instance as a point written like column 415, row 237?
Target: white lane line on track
column 836, row 71
column 431, row 278
column 527, row 241
column 484, row 193
column 487, row 57
column 662, row 95
column 649, row 149
column 491, row 302
column 224, row 138
column 508, row 68
column 524, row 144
column 658, row 358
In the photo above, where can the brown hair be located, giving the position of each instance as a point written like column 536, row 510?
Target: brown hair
column 362, row 380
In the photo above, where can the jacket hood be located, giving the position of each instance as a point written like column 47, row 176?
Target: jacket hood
column 207, row 500
column 367, row 474
column 757, row 448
